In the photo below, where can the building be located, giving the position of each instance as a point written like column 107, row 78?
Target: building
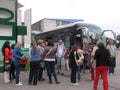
column 11, row 24
column 25, row 39
column 49, row 23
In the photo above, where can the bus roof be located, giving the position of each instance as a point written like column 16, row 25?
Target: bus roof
column 68, row 26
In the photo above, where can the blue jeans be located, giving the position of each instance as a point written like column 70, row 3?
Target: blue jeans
column 17, row 68
column 78, row 72
column 50, row 66
column 112, row 65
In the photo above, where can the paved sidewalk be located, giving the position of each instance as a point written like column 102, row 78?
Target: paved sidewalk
column 85, row 83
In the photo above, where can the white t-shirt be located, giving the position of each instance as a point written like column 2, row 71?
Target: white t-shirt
column 60, row 50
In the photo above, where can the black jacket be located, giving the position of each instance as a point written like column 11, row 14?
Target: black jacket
column 102, row 57
column 72, row 62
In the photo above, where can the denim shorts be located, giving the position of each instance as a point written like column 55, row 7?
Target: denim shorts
column 60, row 61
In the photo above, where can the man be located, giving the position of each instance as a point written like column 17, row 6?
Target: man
column 60, row 52
column 112, row 48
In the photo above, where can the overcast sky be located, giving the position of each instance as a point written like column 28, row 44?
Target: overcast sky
column 101, row 12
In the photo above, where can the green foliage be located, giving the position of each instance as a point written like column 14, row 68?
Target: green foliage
column 25, row 52
column 115, row 41
column 27, row 67
column 1, row 62
column 25, row 49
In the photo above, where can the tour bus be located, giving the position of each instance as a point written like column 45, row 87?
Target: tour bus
column 74, row 33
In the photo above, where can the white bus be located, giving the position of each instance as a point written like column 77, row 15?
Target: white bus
column 74, row 33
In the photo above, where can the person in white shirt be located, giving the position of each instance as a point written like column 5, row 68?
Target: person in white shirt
column 60, row 52
column 112, row 49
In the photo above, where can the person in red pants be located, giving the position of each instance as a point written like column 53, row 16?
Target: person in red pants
column 101, row 58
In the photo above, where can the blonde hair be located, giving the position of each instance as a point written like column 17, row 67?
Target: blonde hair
column 40, row 41
column 19, row 44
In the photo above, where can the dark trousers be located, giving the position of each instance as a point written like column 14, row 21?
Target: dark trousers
column 50, row 66
column 112, row 65
column 40, row 73
column 74, row 69
column 103, row 71
column 34, row 66
column 12, row 71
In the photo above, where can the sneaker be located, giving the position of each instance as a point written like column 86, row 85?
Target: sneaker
column 30, row 83
column 12, row 78
column 62, row 74
column 19, row 84
column 111, row 74
column 57, row 82
column 35, row 84
column 7, row 81
column 71, row 84
column 75, row 84
column 50, row 82
column 42, row 79
column 58, row 73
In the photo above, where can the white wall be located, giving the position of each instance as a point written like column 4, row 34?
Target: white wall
column 48, row 24
column 27, row 21
column 19, row 20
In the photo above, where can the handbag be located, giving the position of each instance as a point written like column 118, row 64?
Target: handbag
column 49, row 51
column 23, row 61
column 80, row 60
column 7, row 66
column 42, row 65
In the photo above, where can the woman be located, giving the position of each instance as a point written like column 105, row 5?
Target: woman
column 17, row 56
column 74, row 56
column 101, row 58
column 80, row 52
column 12, row 71
column 42, row 54
column 34, row 63
column 8, row 56
column 50, row 61
column 95, row 47
column 87, row 57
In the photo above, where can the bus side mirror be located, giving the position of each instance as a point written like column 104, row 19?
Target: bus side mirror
column 114, row 34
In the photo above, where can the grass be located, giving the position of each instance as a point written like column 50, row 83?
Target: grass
column 1, row 62
column 25, row 52
column 26, row 68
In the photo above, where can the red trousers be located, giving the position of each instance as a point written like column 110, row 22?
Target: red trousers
column 103, row 71
column 92, row 74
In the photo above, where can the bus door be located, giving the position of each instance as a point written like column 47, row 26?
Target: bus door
column 77, row 39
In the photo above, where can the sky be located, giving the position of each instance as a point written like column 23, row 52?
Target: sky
column 104, row 13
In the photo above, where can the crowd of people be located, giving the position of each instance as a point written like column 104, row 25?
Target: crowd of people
column 97, row 59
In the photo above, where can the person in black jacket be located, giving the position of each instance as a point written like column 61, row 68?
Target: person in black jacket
column 12, row 70
column 101, row 58
column 73, row 57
